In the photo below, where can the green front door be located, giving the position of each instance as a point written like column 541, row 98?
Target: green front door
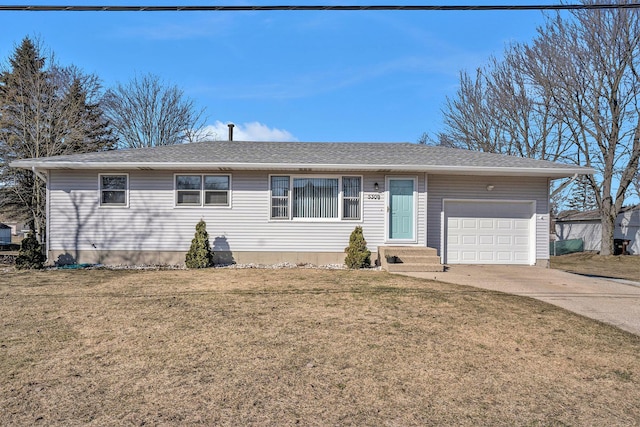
column 401, row 209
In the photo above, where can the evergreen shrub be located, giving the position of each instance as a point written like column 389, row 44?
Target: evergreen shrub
column 30, row 255
column 358, row 256
column 200, row 254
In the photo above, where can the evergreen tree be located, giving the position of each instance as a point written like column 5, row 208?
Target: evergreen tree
column 200, row 254
column 358, row 256
column 45, row 110
column 24, row 96
column 86, row 128
column 582, row 197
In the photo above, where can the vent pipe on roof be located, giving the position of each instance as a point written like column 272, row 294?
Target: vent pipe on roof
column 231, row 125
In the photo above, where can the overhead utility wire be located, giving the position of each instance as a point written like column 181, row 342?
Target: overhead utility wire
column 209, row 8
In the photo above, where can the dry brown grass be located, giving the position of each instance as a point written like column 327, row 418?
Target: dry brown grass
column 621, row 267
column 308, row 347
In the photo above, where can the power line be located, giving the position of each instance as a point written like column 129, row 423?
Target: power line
column 209, row 8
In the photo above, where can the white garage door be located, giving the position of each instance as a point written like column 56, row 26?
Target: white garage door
column 488, row 232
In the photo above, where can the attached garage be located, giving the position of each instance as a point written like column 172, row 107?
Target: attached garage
column 489, row 232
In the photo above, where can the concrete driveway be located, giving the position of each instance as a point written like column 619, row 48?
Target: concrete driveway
column 608, row 300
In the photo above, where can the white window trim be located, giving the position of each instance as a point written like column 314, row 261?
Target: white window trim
column 360, row 198
column 202, row 191
column 126, row 191
column 269, row 216
column 340, row 198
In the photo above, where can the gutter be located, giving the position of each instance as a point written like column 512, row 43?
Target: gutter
column 306, row 167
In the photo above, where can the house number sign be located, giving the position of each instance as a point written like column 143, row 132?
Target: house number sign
column 373, row 196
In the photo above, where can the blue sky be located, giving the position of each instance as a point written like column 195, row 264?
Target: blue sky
column 306, row 76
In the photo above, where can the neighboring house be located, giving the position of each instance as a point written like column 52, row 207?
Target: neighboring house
column 270, row 202
column 17, row 227
column 5, row 234
column 588, row 227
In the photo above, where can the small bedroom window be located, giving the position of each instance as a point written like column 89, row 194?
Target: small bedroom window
column 114, row 189
column 188, row 189
column 203, row 190
column 216, row 190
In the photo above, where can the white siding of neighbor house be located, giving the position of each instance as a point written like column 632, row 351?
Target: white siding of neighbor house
column 627, row 227
column 589, row 231
column 442, row 187
column 151, row 222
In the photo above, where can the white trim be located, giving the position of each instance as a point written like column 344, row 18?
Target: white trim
column 533, row 237
column 360, row 198
column 426, row 208
column 442, row 235
column 202, row 191
column 47, row 211
column 387, row 208
column 269, row 217
column 319, row 220
column 515, row 170
column 126, row 191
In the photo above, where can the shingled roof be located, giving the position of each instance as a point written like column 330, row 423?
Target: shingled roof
column 306, row 156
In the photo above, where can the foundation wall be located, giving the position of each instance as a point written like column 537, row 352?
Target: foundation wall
column 177, row 257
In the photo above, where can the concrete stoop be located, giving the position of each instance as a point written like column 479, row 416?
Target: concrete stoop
column 409, row 258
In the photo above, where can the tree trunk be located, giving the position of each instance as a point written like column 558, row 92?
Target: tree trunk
column 608, row 226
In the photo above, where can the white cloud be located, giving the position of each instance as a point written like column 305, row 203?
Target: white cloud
column 252, row 131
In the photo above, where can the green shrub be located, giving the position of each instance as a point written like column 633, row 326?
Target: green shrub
column 200, row 254
column 30, row 255
column 358, row 256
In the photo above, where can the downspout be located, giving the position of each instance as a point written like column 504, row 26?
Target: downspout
column 43, row 177
column 38, row 174
column 573, row 178
column 549, row 196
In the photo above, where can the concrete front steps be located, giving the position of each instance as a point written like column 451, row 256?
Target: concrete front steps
column 409, row 258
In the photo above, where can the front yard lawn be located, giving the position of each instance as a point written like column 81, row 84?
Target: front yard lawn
column 300, row 346
column 621, row 267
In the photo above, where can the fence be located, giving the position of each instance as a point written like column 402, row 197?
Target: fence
column 563, row 247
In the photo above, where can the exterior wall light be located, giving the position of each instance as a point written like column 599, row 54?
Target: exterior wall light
column 376, row 186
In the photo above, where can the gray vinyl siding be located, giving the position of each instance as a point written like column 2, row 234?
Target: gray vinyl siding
column 475, row 187
column 151, row 222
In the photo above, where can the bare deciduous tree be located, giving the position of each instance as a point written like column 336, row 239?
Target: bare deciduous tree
column 573, row 94
column 502, row 111
column 471, row 117
column 146, row 112
column 590, row 67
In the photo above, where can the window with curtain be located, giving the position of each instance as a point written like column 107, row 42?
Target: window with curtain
column 315, row 197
